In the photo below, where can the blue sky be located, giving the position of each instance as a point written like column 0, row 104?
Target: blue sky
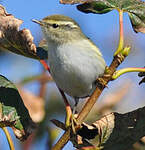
column 102, row 29
column 97, row 27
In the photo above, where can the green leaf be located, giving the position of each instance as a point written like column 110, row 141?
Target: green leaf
column 15, row 40
column 134, row 8
column 13, row 112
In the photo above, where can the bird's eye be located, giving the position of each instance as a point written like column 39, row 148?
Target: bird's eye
column 54, row 25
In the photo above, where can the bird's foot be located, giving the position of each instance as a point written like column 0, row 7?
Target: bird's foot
column 74, row 124
column 71, row 118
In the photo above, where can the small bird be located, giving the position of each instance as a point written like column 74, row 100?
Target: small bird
column 75, row 61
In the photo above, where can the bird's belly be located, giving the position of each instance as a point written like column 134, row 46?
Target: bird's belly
column 73, row 81
column 75, row 72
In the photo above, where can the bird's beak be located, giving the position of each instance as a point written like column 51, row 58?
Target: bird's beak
column 38, row 22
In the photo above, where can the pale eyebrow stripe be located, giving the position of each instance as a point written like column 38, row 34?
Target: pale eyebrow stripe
column 63, row 23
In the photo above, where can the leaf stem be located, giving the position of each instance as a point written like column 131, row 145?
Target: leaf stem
column 9, row 139
column 45, row 65
column 125, row 70
column 121, row 33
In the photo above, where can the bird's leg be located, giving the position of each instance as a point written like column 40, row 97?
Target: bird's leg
column 73, row 119
column 68, row 109
column 75, row 106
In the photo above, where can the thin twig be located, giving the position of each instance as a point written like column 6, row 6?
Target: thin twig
column 9, row 139
column 126, row 70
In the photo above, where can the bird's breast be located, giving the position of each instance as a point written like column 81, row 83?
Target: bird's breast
column 75, row 68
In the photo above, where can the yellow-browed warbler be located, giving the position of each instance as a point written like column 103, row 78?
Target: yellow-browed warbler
column 75, row 61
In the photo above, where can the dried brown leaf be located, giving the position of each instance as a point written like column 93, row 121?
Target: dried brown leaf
column 143, row 139
column 13, row 39
column 140, row 29
column 34, row 104
column 114, row 131
column 71, row 1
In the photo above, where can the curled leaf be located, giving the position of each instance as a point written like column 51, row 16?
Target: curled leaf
column 13, row 112
column 71, row 1
column 15, row 40
column 114, row 131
